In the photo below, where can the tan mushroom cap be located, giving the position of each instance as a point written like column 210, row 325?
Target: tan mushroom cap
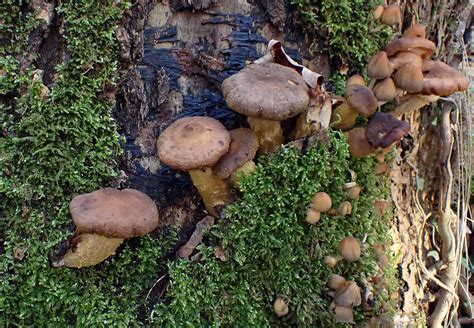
column 243, row 147
column 193, row 142
column 420, row 46
column 391, row 15
column 378, row 11
column 114, row 213
column 442, row 80
column 321, row 202
column 266, row 91
column 362, row 99
column 385, row 90
column 344, row 314
column 349, row 248
column 335, row 281
column 280, row 307
column 416, row 30
column 348, row 295
column 355, row 79
column 379, row 66
column 409, row 77
column 359, row 146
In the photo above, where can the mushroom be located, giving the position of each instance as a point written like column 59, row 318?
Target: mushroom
column 359, row 146
column 349, row 248
column 238, row 162
column 321, row 202
column 344, row 117
column 416, row 30
column 348, row 295
column 345, row 208
column 384, row 129
column 104, row 218
column 391, row 15
column 379, row 66
column 381, row 168
column 355, row 80
column 361, row 98
column 344, row 314
column 378, row 11
column 312, row 216
column 195, row 144
column 441, row 79
column 335, row 281
column 267, row 93
column 280, row 307
column 385, row 90
column 331, row 261
column 353, row 192
column 419, row 46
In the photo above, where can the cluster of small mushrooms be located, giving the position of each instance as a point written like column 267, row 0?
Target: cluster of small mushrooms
column 217, row 159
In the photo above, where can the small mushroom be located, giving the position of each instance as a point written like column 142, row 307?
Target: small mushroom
column 321, row 202
column 359, row 146
column 385, row 90
column 384, row 129
column 361, row 98
column 195, row 144
column 353, row 192
column 104, row 218
column 331, row 261
column 335, row 281
column 381, row 168
column 379, row 66
column 349, row 248
column 391, row 15
column 345, row 208
column 238, row 161
column 416, row 30
column 348, row 294
column 378, row 11
column 280, row 307
column 267, row 93
column 344, row 314
column 312, row 216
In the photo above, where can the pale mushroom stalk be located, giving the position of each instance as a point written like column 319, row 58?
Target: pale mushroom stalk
column 317, row 116
column 269, row 134
column 213, row 190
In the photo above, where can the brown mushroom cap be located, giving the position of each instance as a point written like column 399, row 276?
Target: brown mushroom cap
column 353, row 192
column 335, row 281
column 384, row 129
column 402, row 58
column 243, row 147
column 345, row 208
column 416, row 30
column 192, row 143
column 312, row 216
column 344, row 314
column 321, row 202
column 355, row 79
column 362, row 99
column 391, row 15
column 114, row 213
column 409, row 77
column 358, row 144
column 267, row 91
column 348, row 295
column 441, row 79
column 420, row 46
column 349, row 248
column 378, row 11
column 280, row 307
column 379, row 66
column 385, row 90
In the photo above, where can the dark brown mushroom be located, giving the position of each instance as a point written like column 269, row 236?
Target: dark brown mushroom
column 441, row 79
column 358, row 144
column 384, row 129
column 361, row 98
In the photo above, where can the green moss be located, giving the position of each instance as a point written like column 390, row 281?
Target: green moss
column 54, row 148
column 273, row 251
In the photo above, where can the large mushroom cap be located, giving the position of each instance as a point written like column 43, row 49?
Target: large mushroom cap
column 193, row 142
column 384, row 129
column 114, row 213
column 243, row 147
column 361, row 98
column 420, row 46
column 267, row 91
column 441, row 79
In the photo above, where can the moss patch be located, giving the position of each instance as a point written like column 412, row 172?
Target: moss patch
column 274, row 252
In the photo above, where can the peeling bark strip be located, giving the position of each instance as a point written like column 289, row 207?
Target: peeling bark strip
column 201, row 227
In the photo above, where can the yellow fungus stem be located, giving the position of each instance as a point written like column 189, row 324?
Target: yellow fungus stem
column 243, row 171
column 269, row 134
column 214, row 191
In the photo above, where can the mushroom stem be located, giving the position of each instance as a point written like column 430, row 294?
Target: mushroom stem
column 344, row 117
column 214, row 191
column 317, row 116
column 243, row 171
column 269, row 134
column 89, row 250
